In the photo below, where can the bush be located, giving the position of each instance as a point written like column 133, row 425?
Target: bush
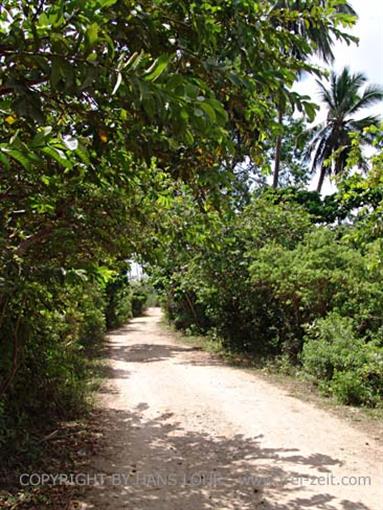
column 350, row 389
column 93, row 322
column 140, row 294
column 55, row 345
column 322, row 273
column 342, row 364
column 215, row 289
column 268, row 274
column 52, row 362
column 119, row 302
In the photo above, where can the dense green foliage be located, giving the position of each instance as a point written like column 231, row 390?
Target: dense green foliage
column 55, row 347
column 346, row 364
column 143, row 131
column 119, row 302
column 280, row 278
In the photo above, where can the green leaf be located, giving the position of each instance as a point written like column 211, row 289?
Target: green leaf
column 189, row 137
column 135, row 60
column 106, row 3
column 57, row 156
column 4, row 161
column 104, row 274
column 165, row 201
column 42, row 208
column 92, row 34
column 157, row 68
column 43, row 21
column 83, row 154
column 40, row 138
column 208, row 110
column 19, row 157
column 92, row 57
column 310, row 110
column 76, row 275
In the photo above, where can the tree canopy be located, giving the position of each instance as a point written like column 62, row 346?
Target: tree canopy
column 144, row 130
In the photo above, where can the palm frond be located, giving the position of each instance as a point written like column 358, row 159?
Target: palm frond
column 347, row 87
column 326, row 94
column 372, row 95
column 361, row 124
column 331, row 140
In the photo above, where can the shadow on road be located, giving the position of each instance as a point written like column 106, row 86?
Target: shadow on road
column 157, row 465
column 146, row 353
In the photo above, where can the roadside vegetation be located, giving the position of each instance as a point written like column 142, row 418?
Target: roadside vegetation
column 150, row 131
column 61, row 361
column 288, row 278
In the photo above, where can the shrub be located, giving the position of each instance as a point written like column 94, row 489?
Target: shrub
column 93, row 323
column 269, row 273
column 52, row 363
column 118, row 302
column 215, row 289
column 140, row 296
column 322, row 273
column 350, row 389
column 342, row 364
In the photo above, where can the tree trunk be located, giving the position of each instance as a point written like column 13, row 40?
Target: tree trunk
column 321, row 178
column 278, row 148
column 192, row 309
column 277, row 161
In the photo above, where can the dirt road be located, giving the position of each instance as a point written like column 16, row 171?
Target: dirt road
column 185, row 432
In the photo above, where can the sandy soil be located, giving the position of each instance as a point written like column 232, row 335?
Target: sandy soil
column 186, row 432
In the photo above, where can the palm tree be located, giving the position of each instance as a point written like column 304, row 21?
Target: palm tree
column 322, row 38
column 343, row 98
column 320, row 34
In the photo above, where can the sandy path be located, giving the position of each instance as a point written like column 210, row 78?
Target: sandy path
column 185, row 432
